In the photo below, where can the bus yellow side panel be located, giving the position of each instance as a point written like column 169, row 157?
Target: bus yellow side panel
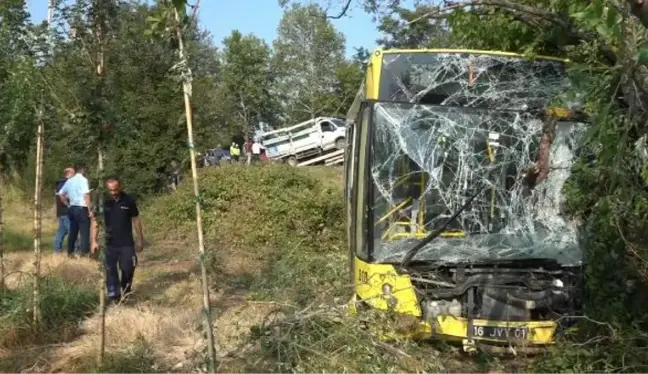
column 370, row 279
column 372, row 79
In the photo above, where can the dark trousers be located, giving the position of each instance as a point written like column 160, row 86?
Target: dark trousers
column 79, row 223
column 126, row 259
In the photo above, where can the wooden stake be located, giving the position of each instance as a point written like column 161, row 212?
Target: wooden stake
column 38, row 218
column 187, row 88
column 2, row 270
column 101, row 70
column 102, row 274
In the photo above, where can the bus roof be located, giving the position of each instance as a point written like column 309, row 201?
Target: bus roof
column 469, row 51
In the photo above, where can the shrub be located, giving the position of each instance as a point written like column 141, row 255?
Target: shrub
column 284, row 224
column 63, row 307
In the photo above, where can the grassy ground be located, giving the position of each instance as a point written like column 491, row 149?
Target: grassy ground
column 278, row 280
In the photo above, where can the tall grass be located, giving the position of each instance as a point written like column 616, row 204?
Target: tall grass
column 64, row 306
column 279, row 229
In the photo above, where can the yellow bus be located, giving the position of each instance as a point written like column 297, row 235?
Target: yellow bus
column 445, row 228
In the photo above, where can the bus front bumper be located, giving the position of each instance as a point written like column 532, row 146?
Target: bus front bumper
column 488, row 335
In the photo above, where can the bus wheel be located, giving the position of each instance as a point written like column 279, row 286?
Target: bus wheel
column 292, row 161
column 340, row 143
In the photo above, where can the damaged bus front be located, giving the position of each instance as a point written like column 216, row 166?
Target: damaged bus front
column 454, row 188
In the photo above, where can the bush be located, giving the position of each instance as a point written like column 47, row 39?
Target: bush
column 285, row 225
column 63, row 307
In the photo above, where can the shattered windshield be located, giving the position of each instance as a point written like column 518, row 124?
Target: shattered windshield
column 428, row 160
column 471, row 80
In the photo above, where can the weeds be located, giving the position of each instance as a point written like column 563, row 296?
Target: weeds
column 138, row 357
column 277, row 230
column 64, row 307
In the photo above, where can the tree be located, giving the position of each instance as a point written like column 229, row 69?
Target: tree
column 143, row 108
column 308, row 52
column 248, row 80
column 182, row 25
column 349, row 76
column 17, row 85
column 405, row 28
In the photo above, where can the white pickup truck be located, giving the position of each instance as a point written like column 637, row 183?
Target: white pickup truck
column 317, row 140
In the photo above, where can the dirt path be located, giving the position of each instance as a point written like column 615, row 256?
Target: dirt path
column 165, row 311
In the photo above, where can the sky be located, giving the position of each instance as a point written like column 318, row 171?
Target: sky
column 259, row 17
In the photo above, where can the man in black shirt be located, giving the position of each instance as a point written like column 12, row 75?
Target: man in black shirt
column 61, row 212
column 120, row 217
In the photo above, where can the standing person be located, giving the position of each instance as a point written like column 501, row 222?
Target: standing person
column 256, row 151
column 248, row 150
column 75, row 193
column 61, row 212
column 120, row 217
column 235, row 152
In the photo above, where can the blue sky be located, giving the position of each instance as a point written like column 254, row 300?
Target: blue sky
column 260, row 17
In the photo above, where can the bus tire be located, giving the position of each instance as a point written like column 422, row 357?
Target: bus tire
column 340, row 143
column 292, row 161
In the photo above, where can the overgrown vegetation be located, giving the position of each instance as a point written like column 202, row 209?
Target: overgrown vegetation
column 136, row 357
column 64, row 306
column 276, row 234
column 135, row 109
column 282, row 227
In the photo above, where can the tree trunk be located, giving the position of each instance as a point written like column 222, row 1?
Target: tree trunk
column 544, row 148
column 38, row 220
column 101, row 70
column 186, row 84
column 2, row 271
column 102, row 275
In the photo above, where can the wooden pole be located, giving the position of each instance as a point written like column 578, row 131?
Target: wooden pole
column 38, row 218
column 102, row 276
column 2, row 269
column 187, row 88
column 38, row 211
column 101, row 70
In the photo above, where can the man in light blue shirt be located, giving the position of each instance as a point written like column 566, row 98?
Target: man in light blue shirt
column 75, row 193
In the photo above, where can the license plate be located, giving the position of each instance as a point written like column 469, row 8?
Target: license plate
column 501, row 333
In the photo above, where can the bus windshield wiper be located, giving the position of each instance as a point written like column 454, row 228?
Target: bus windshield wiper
column 434, row 234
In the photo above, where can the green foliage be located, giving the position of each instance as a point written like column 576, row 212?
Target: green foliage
column 18, row 85
column 135, row 110
column 247, row 81
column 138, row 357
column 404, row 28
column 63, row 307
column 16, row 241
column 326, row 340
column 308, row 51
column 290, row 223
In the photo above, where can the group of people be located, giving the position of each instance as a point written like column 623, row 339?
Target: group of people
column 76, row 215
column 253, row 151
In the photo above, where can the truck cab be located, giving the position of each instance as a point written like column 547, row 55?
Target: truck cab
column 333, row 133
column 308, row 142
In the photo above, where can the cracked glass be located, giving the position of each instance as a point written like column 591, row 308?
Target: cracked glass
column 458, row 125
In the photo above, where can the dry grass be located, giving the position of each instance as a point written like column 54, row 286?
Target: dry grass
column 166, row 309
column 18, row 214
column 233, row 325
column 19, row 267
column 173, row 335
